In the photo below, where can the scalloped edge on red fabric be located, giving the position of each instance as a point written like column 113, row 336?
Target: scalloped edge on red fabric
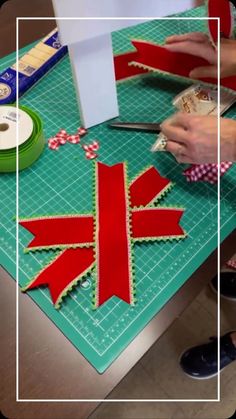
column 157, row 58
column 123, row 70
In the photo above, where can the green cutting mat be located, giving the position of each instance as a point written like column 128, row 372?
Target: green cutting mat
column 62, row 182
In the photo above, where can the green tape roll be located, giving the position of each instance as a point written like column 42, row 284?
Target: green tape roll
column 29, row 151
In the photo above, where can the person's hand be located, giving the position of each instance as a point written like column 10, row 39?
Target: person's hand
column 193, row 138
column 198, row 43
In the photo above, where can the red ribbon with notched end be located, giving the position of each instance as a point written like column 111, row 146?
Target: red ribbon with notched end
column 60, row 231
column 148, row 187
column 117, row 225
column 150, row 223
column 153, row 57
column 122, row 68
column 64, row 270
column 113, row 247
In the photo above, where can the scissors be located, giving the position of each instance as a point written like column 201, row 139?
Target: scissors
column 137, row 126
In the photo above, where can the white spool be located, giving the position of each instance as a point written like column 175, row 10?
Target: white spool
column 8, row 127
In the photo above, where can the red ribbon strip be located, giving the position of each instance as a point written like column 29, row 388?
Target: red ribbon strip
column 59, row 231
column 114, row 265
column 156, row 222
column 147, row 187
column 156, row 57
column 113, row 242
column 62, row 272
column 221, row 9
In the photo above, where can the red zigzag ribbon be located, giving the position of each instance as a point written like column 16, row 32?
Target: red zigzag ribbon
column 116, row 224
column 155, row 57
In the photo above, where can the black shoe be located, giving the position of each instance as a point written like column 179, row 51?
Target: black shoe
column 201, row 361
column 227, row 285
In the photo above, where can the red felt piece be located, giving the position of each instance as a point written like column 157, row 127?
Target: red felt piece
column 69, row 230
column 156, row 222
column 160, row 58
column 113, row 258
column 221, row 9
column 146, row 187
column 122, row 68
column 69, row 265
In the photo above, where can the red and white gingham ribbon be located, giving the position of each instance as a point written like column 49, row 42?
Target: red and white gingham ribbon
column 82, row 131
column 90, row 150
column 206, row 172
column 94, row 146
column 62, row 137
column 90, row 155
column 231, row 263
column 73, row 139
column 53, row 143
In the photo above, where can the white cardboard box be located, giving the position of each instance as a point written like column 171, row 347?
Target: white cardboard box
column 90, row 46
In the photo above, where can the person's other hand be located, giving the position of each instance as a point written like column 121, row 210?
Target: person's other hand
column 193, row 138
column 198, row 43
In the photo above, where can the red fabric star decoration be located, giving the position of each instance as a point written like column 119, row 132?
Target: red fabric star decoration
column 124, row 215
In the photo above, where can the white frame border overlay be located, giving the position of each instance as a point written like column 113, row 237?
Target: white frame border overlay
column 18, row 19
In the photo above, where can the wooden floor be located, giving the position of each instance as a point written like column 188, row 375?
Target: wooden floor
column 157, row 375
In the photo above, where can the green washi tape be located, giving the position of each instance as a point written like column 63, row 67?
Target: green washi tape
column 29, row 150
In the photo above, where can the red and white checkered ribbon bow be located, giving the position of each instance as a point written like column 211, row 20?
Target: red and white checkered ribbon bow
column 231, row 264
column 206, row 172
column 62, row 137
column 90, row 149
